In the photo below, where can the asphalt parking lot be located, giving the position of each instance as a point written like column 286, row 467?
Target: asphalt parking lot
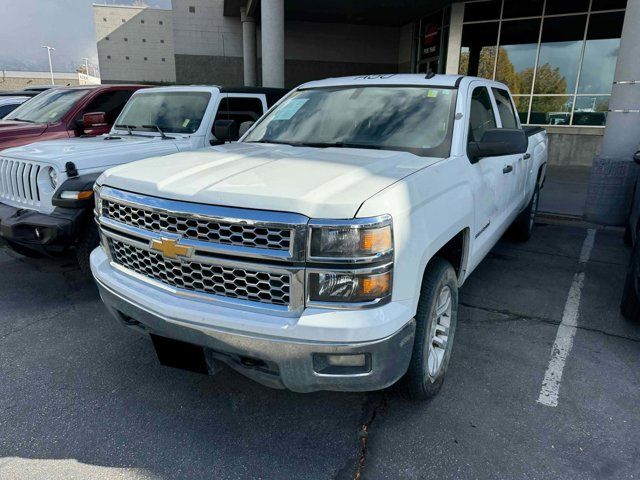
column 82, row 397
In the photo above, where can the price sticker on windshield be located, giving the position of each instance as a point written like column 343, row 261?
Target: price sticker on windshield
column 290, row 108
column 432, row 93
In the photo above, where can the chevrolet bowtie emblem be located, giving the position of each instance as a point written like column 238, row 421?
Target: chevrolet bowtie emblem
column 170, row 248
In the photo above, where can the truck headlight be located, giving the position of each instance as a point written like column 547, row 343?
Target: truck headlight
column 354, row 261
column 371, row 286
column 351, row 241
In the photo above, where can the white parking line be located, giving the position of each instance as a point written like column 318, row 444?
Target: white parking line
column 566, row 331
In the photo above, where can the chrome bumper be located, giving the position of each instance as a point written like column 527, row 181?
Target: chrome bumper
column 294, row 365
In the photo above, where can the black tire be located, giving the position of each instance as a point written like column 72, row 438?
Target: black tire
column 522, row 227
column 420, row 382
column 628, row 240
column 25, row 251
column 630, row 304
column 88, row 243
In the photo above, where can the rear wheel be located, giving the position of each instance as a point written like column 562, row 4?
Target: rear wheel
column 630, row 304
column 436, row 319
column 522, row 227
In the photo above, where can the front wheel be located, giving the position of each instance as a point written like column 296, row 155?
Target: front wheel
column 436, row 319
column 630, row 304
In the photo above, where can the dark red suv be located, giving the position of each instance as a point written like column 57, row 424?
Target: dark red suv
column 65, row 112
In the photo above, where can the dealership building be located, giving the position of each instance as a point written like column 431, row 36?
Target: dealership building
column 564, row 60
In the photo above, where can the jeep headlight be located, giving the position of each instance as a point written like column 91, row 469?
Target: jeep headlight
column 354, row 261
column 53, row 177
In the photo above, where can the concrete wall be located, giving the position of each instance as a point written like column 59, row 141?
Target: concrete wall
column 11, row 80
column 208, row 45
column 574, row 146
column 144, row 35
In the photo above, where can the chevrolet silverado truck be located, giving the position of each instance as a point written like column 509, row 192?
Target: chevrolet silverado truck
column 65, row 112
column 325, row 249
column 46, row 188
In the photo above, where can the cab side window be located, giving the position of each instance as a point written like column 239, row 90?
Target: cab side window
column 505, row 108
column 111, row 103
column 240, row 109
column 481, row 116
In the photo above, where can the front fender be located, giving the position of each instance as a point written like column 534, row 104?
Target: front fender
column 429, row 208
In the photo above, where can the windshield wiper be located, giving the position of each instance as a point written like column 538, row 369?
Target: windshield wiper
column 22, row 120
column 160, row 131
column 276, row 142
column 340, row 145
column 128, row 127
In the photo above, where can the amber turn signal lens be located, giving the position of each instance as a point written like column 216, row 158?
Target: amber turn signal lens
column 376, row 285
column 85, row 195
column 376, row 240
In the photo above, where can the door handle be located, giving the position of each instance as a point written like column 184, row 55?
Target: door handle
column 507, row 169
column 527, row 156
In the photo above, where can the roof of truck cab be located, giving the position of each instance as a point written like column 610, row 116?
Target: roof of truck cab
column 217, row 88
column 389, row 79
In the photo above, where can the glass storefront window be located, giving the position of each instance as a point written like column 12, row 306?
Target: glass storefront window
column 482, row 10
column 551, row 110
column 544, row 46
column 478, row 52
column 591, row 110
column 560, row 54
column 517, row 54
column 522, row 8
column 566, row 6
column 601, row 52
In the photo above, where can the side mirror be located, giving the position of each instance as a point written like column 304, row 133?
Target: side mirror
column 636, row 157
column 244, row 127
column 499, row 141
column 94, row 119
column 226, row 130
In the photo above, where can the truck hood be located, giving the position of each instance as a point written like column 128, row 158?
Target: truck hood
column 92, row 152
column 11, row 128
column 317, row 182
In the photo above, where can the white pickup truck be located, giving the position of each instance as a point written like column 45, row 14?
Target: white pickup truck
column 325, row 249
column 46, row 188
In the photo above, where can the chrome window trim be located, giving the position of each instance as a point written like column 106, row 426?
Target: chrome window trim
column 354, row 223
column 256, row 218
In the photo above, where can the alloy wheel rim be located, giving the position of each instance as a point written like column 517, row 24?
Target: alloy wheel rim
column 439, row 331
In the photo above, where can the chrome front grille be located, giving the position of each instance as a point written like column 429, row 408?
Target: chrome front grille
column 249, row 259
column 238, row 283
column 19, row 181
column 198, row 228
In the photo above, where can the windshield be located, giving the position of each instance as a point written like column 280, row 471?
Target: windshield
column 175, row 112
column 48, row 107
column 414, row 119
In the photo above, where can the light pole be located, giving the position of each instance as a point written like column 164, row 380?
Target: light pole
column 86, row 65
column 49, row 49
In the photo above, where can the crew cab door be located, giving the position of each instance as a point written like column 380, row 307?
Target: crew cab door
column 516, row 184
column 487, row 173
column 241, row 107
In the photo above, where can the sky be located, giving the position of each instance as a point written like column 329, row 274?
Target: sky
column 67, row 25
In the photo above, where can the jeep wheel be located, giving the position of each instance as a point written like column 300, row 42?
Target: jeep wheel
column 436, row 319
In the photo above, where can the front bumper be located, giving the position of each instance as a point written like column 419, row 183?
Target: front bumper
column 36, row 230
column 278, row 360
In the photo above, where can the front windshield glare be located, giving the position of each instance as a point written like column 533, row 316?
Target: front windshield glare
column 48, row 107
column 175, row 112
column 414, row 119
